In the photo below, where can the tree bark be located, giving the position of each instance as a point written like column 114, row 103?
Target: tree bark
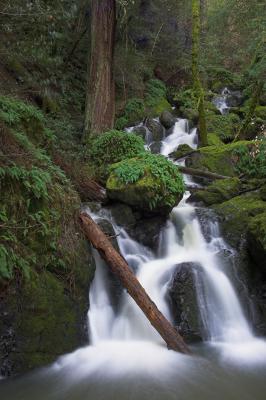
column 100, row 104
column 195, row 72
column 200, row 173
column 121, row 269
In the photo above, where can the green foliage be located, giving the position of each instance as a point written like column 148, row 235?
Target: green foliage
column 155, row 90
column 114, row 146
column 133, row 112
column 13, row 111
column 225, row 126
column 35, row 180
column 187, row 99
column 168, row 182
column 219, row 77
column 252, row 160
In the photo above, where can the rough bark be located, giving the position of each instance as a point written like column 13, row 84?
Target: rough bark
column 195, row 71
column 200, row 173
column 120, row 268
column 100, row 104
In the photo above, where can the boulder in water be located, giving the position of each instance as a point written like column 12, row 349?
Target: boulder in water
column 183, row 299
column 167, row 119
column 155, row 147
column 182, row 151
column 156, row 129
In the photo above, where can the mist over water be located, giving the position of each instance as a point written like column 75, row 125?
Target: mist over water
column 126, row 358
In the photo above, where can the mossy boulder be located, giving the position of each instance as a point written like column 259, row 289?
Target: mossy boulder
column 221, row 159
column 260, row 112
column 149, row 184
column 237, row 213
column 155, row 98
column 217, row 192
column 257, row 239
column 214, row 139
column 182, row 151
column 225, row 126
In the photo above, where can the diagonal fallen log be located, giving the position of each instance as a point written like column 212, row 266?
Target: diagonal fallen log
column 200, row 173
column 121, row 269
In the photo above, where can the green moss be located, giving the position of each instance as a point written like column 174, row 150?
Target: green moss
column 218, row 191
column 225, row 126
column 214, row 139
column 182, row 151
column 220, row 159
column 260, row 112
column 237, row 214
column 148, row 183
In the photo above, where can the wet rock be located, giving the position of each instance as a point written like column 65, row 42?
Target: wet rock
column 147, row 231
column 157, row 130
column 235, row 99
column 123, row 215
column 140, row 131
column 155, row 147
column 183, row 300
column 182, row 151
column 167, row 119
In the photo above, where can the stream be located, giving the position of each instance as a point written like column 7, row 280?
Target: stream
column 126, row 358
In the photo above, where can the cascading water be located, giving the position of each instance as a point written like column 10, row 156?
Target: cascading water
column 221, row 101
column 126, row 358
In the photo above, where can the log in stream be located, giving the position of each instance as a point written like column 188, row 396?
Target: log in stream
column 120, row 268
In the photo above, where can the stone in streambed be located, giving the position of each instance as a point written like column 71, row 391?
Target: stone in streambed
column 183, row 301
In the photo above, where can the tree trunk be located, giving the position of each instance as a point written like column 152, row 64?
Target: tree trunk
column 200, row 173
column 100, row 104
column 195, row 71
column 121, row 269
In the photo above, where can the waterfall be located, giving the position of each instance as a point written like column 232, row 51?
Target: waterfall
column 220, row 310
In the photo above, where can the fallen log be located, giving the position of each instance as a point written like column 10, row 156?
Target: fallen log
column 120, row 268
column 200, row 173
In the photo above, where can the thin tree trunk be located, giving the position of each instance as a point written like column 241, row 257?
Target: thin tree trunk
column 100, row 104
column 195, row 71
column 121, row 269
column 200, row 173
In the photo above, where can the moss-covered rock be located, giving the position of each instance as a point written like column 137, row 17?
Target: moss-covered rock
column 237, row 213
column 217, row 192
column 260, row 112
column 149, row 183
column 257, row 239
column 225, row 126
column 182, row 151
column 214, row 139
column 221, row 159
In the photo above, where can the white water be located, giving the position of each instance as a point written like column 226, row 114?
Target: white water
column 221, row 101
column 127, row 359
column 221, row 313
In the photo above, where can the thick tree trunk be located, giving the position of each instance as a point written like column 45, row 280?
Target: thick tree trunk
column 100, row 104
column 121, row 269
column 195, row 71
column 200, row 173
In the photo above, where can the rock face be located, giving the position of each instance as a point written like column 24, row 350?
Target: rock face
column 183, row 301
column 43, row 318
column 167, row 119
column 156, row 129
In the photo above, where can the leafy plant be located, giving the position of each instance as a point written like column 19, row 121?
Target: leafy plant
column 114, row 146
column 155, row 90
column 167, row 180
column 252, row 161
